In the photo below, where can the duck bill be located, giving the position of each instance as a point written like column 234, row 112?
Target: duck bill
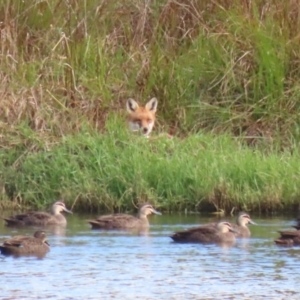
column 156, row 212
column 68, row 211
column 252, row 222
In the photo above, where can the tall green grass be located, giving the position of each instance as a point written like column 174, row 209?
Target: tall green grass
column 114, row 170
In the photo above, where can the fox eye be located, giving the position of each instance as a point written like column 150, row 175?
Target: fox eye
column 149, row 120
column 138, row 121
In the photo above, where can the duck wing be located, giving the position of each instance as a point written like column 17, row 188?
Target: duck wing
column 32, row 217
column 289, row 238
column 290, row 233
column 114, row 221
column 16, row 241
column 195, row 234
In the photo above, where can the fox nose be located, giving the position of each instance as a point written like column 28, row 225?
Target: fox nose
column 145, row 130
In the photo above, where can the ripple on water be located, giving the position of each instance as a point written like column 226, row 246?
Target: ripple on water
column 88, row 264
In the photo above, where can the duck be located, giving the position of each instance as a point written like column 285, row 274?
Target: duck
column 221, row 232
column 288, row 238
column 40, row 218
column 26, row 245
column 121, row 221
column 241, row 227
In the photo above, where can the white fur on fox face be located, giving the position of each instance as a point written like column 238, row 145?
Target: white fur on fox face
column 134, row 126
column 149, row 129
column 145, row 131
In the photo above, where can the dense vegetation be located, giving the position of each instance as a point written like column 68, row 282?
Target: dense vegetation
column 226, row 74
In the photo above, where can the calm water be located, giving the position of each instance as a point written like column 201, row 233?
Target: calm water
column 89, row 264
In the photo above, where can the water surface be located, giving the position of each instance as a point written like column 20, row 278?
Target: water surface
column 92, row 264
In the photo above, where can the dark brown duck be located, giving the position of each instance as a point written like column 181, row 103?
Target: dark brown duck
column 125, row 221
column 288, row 238
column 221, row 232
column 26, row 245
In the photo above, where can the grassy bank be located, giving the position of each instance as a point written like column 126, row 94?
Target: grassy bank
column 114, row 170
column 226, row 75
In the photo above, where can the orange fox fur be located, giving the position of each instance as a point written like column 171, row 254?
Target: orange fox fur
column 141, row 118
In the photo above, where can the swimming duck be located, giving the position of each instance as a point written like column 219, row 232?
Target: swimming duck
column 221, row 232
column 125, row 221
column 242, row 230
column 241, row 227
column 26, row 245
column 39, row 218
column 288, row 238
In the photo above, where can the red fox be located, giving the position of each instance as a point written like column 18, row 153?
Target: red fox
column 141, row 118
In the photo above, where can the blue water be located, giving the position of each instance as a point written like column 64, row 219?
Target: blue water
column 90, row 264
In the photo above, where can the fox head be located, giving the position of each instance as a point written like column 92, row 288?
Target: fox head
column 141, row 118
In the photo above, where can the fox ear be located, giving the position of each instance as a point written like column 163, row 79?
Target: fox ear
column 152, row 104
column 131, row 105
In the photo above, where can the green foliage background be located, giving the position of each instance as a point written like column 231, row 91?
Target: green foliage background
column 226, row 74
